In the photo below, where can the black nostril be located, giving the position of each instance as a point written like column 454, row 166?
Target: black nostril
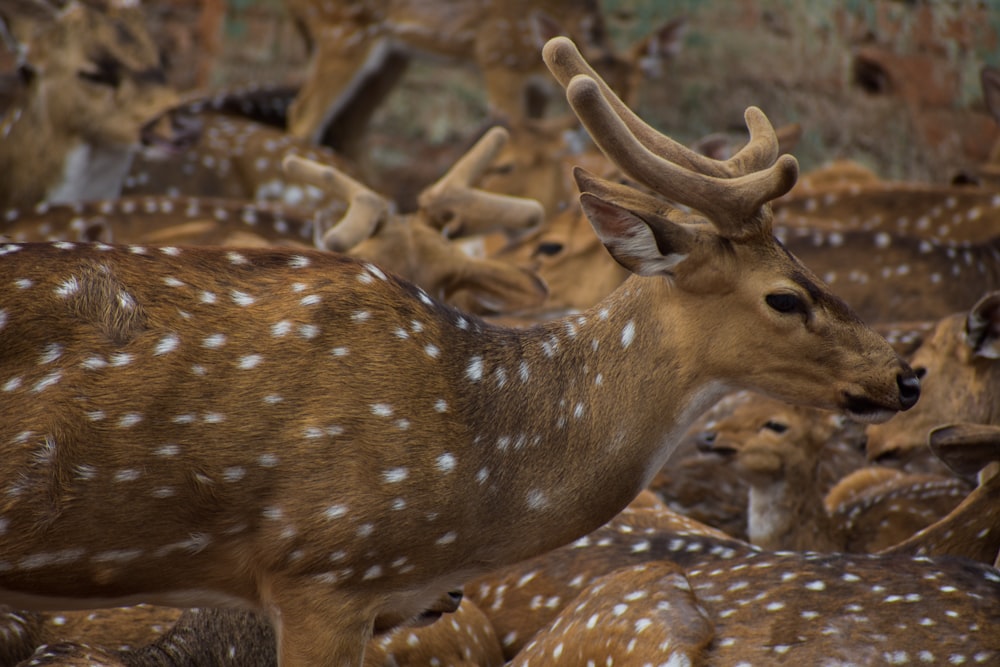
column 909, row 389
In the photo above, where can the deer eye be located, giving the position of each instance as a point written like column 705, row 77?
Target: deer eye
column 549, row 248
column 777, row 427
column 502, row 169
column 920, row 372
column 104, row 71
column 783, row 302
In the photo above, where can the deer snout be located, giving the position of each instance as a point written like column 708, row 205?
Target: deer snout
column 170, row 133
column 446, row 604
column 909, row 388
column 704, row 441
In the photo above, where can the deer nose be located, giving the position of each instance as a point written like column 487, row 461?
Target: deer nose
column 704, row 441
column 455, row 597
column 909, row 389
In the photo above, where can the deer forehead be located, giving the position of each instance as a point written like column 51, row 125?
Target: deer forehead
column 85, row 33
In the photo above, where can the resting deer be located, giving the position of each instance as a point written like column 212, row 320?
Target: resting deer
column 780, row 448
column 238, row 152
column 303, row 433
column 95, row 83
column 236, row 638
column 936, row 212
column 411, row 246
column 892, row 277
column 748, row 605
column 970, row 529
column 958, row 364
column 360, row 49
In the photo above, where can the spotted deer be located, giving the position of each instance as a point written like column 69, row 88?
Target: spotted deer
column 305, row 434
column 935, row 212
column 359, row 222
column 969, row 530
column 238, row 638
column 233, row 157
column 359, row 50
column 961, row 376
column 887, row 277
column 238, row 152
column 95, row 83
column 779, row 448
column 651, row 583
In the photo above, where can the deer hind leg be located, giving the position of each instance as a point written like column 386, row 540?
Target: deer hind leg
column 318, row 630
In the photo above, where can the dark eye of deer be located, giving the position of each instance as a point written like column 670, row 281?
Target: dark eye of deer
column 106, row 72
column 785, row 303
column 777, row 427
column 920, row 372
column 549, row 248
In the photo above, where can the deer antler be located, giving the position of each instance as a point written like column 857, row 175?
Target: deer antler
column 365, row 208
column 729, row 192
column 454, row 206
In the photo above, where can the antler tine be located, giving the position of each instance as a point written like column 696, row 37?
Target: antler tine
column 728, row 202
column 364, row 207
column 565, row 62
column 458, row 208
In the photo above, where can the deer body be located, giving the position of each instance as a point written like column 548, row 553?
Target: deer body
column 121, row 373
column 287, row 488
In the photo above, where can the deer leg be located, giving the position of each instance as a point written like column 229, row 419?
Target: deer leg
column 318, row 630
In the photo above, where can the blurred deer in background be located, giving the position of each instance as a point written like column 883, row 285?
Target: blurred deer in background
column 359, row 50
column 779, row 449
column 959, row 369
column 95, row 83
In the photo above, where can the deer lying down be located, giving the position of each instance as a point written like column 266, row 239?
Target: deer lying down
column 95, row 88
column 302, row 433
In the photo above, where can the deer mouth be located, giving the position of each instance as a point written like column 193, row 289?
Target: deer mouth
column 862, row 409
column 170, row 133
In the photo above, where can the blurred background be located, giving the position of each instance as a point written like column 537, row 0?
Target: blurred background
column 892, row 84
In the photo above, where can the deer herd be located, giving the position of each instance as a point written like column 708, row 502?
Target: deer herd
column 616, row 403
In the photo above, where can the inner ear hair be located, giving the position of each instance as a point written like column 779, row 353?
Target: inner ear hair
column 631, row 198
column 982, row 326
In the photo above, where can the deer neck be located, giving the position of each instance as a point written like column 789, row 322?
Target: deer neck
column 788, row 513
column 55, row 165
column 561, row 392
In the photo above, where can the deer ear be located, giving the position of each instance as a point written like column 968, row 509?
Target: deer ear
column 20, row 19
column 982, row 327
column 649, row 245
column 990, row 81
column 966, row 448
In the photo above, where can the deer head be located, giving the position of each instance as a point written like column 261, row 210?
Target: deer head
column 94, row 82
column 727, row 256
